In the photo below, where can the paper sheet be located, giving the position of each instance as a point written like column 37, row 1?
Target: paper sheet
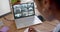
column 4, row 7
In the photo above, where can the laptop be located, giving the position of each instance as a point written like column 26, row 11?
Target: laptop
column 24, row 15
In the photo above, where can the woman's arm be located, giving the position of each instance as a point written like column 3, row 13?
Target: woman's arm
column 57, row 29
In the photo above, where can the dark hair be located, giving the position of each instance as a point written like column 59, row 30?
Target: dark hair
column 57, row 2
column 18, row 0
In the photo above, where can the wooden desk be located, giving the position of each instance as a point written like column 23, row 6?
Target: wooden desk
column 45, row 26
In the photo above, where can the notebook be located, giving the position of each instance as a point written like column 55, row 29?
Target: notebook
column 4, row 7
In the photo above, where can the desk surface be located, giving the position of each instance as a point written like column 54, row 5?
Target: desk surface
column 46, row 26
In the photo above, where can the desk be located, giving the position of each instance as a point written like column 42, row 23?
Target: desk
column 46, row 26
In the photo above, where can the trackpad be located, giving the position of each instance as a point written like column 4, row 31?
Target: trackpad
column 28, row 21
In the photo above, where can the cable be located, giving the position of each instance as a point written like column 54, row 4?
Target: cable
column 8, row 19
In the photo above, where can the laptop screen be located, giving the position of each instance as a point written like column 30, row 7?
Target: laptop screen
column 23, row 10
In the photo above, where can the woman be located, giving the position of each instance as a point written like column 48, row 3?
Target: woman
column 53, row 12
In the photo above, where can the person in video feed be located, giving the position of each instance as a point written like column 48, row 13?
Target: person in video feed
column 17, row 11
column 31, row 8
column 24, row 9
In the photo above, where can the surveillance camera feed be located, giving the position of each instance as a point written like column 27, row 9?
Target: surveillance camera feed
column 23, row 10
